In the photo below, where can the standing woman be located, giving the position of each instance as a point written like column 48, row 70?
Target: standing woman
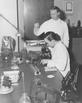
column 55, row 24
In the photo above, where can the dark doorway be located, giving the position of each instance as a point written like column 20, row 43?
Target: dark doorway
column 35, row 11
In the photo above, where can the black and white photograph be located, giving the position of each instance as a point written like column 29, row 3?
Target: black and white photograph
column 40, row 51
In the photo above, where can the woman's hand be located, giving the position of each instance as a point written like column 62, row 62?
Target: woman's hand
column 50, row 69
column 44, row 61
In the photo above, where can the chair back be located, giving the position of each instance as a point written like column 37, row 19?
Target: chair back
column 69, row 84
column 70, row 81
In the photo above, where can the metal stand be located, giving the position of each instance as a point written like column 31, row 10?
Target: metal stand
column 24, row 98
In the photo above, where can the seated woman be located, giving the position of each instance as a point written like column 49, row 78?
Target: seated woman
column 59, row 63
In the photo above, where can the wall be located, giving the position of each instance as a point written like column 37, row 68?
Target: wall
column 77, row 49
column 8, row 13
column 76, row 15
